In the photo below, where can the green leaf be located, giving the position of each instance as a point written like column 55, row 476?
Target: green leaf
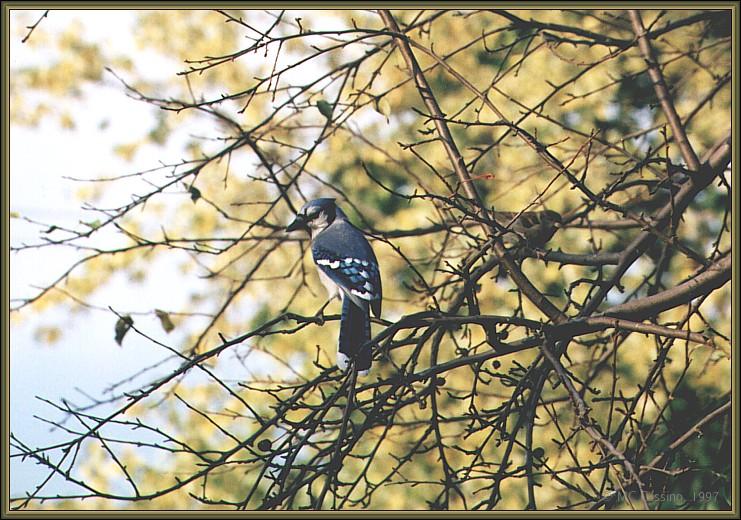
column 123, row 325
column 15, row 214
column 165, row 320
column 94, row 224
column 195, row 193
column 325, row 108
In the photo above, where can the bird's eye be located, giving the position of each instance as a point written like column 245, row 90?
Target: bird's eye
column 313, row 214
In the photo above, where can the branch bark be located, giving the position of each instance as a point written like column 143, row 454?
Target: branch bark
column 716, row 276
column 662, row 92
column 716, row 161
column 686, row 437
column 459, row 166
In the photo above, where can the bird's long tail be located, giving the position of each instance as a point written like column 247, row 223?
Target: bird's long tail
column 354, row 333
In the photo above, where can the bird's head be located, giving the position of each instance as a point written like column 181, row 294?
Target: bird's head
column 553, row 217
column 316, row 215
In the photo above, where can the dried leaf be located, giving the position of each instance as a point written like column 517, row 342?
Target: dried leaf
column 325, row 108
column 195, row 193
column 123, row 325
column 165, row 320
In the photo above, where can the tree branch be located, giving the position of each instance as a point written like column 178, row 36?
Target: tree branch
column 459, row 166
column 662, row 92
column 716, row 276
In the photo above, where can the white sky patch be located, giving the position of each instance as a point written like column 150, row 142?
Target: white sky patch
column 42, row 157
column 86, row 358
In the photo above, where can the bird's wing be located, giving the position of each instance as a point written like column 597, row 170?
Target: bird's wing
column 354, row 276
column 344, row 255
column 531, row 228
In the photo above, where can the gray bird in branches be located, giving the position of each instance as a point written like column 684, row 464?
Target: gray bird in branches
column 532, row 229
column 655, row 195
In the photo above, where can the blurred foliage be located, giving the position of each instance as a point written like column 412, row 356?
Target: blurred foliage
column 228, row 198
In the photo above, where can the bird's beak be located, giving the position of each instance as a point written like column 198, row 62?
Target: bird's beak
column 298, row 223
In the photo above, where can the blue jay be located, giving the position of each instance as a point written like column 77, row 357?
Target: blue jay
column 347, row 267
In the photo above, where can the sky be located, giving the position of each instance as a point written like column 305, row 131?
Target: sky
column 86, row 359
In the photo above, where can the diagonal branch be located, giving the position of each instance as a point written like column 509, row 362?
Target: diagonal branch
column 459, row 166
column 687, row 436
column 662, row 92
column 715, row 277
column 715, row 162
column 456, row 159
column 32, row 28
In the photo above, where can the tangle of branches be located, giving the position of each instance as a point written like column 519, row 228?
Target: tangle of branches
column 565, row 399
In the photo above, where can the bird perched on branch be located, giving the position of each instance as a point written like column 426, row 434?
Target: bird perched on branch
column 526, row 229
column 348, row 267
column 656, row 194
column 531, row 229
